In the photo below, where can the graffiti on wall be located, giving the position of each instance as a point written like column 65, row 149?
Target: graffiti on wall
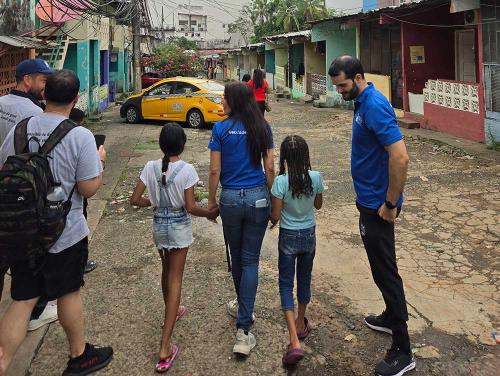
column 83, row 101
column 103, row 93
column 15, row 17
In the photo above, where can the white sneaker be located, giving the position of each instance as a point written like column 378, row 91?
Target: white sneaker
column 232, row 309
column 48, row 315
column 244, row 342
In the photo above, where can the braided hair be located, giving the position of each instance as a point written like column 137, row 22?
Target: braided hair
column 172, row 141
column 295, row 152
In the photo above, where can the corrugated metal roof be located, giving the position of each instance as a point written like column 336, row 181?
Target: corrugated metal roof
column 373, row 12
column 253, row 45
column 21, row 42
column 295, row 34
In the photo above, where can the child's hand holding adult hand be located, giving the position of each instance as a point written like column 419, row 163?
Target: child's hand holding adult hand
column 214, row 213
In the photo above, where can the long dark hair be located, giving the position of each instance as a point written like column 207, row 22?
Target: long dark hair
column 240, row 98
column 295, row 152
column 172, row 141
column 258, row 78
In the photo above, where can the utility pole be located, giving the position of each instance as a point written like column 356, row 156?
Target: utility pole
column 136, row 31
column 162, row 26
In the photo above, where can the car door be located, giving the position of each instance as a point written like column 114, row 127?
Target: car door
column 182, row 100
column 155, row 102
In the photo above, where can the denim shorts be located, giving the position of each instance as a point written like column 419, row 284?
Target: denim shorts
column 172, row 229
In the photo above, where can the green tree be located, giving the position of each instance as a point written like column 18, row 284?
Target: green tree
column 183, row 43
column 172, row 61
column 271, row 17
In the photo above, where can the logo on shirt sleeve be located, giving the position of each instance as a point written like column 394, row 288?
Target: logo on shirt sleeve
column 358, row 119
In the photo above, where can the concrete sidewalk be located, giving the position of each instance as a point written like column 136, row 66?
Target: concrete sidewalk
column 119, row 142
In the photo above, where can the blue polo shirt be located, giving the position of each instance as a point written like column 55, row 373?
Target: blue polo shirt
column 237, row 171
column 374, row 127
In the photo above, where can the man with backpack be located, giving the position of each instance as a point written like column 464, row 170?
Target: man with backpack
column 23, row 102
column 56, row 164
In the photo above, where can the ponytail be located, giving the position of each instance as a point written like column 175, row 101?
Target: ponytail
column 164, row 167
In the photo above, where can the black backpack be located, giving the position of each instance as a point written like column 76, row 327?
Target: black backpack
column 29, row 227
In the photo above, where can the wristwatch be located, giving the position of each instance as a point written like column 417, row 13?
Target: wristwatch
column 390, row 205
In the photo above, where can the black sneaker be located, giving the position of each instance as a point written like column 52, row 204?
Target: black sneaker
column 92, row 359
column 379, row 323
column 395, row 363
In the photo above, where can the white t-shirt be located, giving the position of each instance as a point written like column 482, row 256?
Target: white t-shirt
column 74, row 159
column 185, row 179
column 13, row 109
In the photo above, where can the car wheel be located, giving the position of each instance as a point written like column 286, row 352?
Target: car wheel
column 195, row 119
column 132, row 115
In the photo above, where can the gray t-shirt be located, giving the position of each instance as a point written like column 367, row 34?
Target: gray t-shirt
column 13, row 109
column 74, row 159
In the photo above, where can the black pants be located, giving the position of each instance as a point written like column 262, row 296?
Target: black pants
column 262, row 106
column 378, row 239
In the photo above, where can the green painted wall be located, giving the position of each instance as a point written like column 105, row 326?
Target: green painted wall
column 338, row 42
column 71, row 60
column 94, row 74
column 82, row 59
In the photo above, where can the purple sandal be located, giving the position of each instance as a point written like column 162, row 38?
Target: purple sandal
column 306, row 331
column 292, row 357
column 164, row 364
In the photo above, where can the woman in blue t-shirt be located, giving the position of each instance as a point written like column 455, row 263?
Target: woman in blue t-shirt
column 240, row 146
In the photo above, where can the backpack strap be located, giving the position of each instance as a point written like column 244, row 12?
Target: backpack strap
column 21, row 137
column 57, row 135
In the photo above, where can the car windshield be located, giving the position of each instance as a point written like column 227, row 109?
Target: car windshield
column 212, row 86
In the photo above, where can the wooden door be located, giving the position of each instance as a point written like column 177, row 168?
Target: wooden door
column 465, row 57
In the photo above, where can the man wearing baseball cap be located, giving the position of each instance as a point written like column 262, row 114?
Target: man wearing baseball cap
column 21, row 103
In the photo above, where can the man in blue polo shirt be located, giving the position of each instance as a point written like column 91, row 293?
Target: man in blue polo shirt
column 379, row 164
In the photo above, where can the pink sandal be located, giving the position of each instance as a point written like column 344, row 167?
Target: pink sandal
column 164, row 364
column 181, row 312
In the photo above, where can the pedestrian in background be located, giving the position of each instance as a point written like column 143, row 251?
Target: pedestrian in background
column 25, row 101
column 260, row 89
column 170, row 182
column 246, row 77
column 379, row 165
column 239, row 147
column 77, row 165
column 296, row 192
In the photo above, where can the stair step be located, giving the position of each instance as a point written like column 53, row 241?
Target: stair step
column 408, row 123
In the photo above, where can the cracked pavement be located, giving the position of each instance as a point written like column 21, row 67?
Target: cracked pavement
column 447, row 242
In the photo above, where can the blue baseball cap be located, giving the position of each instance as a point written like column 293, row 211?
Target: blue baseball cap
column 31, row 66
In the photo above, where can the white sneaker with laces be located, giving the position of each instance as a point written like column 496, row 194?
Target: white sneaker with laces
column 48, row 315
column 244, row 342
column 232, row 309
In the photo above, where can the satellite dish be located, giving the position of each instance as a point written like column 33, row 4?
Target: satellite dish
column 53, row 11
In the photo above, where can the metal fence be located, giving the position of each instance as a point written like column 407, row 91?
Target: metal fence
column 492, row 87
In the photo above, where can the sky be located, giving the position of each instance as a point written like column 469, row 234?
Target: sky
column 222, row 12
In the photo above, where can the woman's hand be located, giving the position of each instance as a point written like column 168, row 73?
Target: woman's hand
column 213, row 208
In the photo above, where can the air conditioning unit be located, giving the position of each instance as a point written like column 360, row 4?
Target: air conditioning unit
column 471, row 17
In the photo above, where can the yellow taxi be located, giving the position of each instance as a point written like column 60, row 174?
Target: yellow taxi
column 195, row 101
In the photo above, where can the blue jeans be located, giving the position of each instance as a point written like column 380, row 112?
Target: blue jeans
column 245, row 226
column 296, row 246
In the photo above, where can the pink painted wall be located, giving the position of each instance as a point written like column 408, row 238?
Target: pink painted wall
column 461, row 124
column 439, row 45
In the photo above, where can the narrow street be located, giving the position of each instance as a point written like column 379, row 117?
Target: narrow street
column 447, row 243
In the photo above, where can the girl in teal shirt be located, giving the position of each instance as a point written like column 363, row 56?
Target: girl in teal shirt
column 295, row 193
